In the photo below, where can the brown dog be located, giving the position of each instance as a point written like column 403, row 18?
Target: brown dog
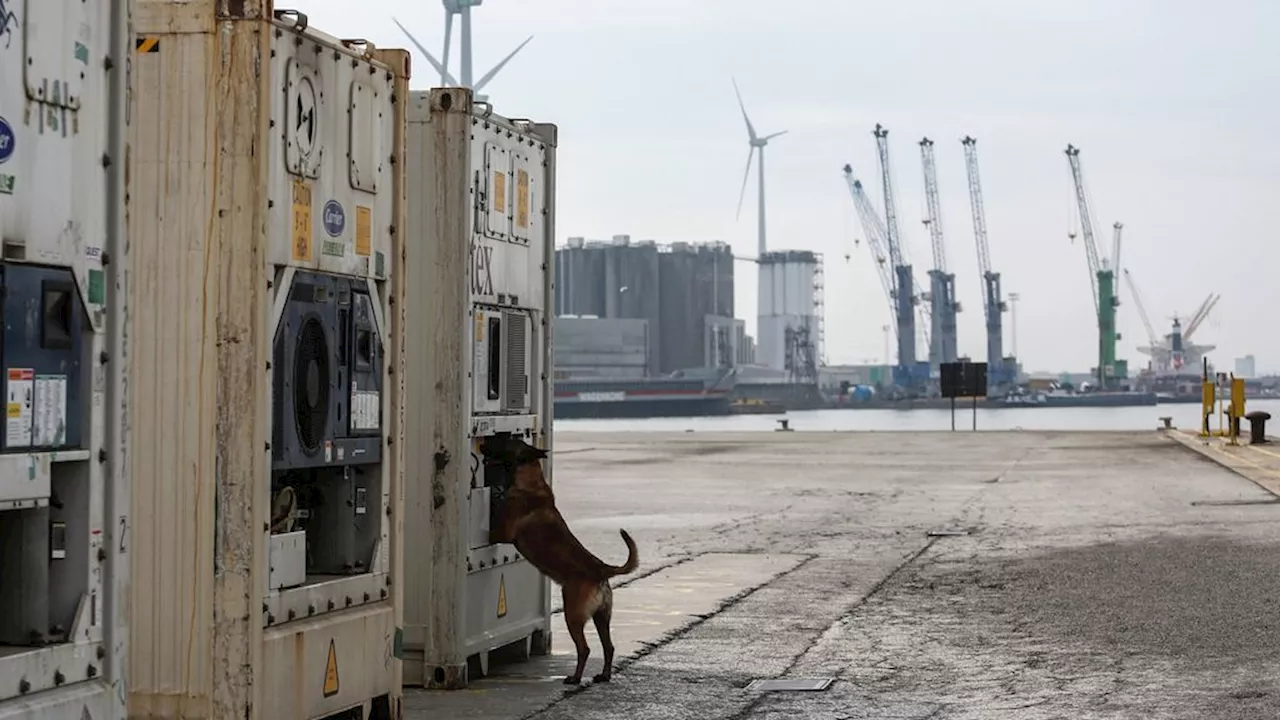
column 529, row 520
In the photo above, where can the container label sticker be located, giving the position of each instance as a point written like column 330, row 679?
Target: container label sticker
column 522, row 198
column 333, row 248
column 331, row 672
column 502, row 596
column 335, row 218
column 499, row 191
column 8, row 141
column 18, row 411
column 301, row 222
column 50, row 410
column 364, row 230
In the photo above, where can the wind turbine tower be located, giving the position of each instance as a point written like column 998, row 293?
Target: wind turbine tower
column 461, row 8
column 789, row 325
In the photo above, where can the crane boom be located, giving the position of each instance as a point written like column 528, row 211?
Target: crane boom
column 934, row 221
column 890, row 209
column 1086, row 221
column 1142, row 310
column 1115, row 246
column 875, row 232
column 1200, row 317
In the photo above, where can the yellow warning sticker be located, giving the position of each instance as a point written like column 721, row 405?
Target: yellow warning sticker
column 331, row 672
column 502, row 596
column 14, row 410
column 301, row 222
column 364, row 230
column 499, row 191
column 522, row 198
column 147, row 44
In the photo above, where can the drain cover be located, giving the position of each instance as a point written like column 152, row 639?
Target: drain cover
column 791, row 684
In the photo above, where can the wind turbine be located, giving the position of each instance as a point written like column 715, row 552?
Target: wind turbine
column 757, row 142
column 463, row 9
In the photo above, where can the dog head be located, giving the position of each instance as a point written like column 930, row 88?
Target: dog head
column 510, row 451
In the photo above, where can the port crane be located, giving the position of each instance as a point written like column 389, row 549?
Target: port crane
column 904, row 284
column 993, row 303
column 1110, row 370
column 942, row 284
column 1170, row 352
column 877, row 242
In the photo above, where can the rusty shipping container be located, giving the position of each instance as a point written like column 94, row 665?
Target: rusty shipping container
column 265, row 196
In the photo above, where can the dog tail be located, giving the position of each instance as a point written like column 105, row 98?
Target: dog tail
column 633, row 558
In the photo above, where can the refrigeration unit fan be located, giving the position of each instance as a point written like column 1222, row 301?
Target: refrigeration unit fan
column 328, row 375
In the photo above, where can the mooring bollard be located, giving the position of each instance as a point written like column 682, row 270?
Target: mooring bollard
column 786, row 426
column 1166, row 423
column 1258, row 426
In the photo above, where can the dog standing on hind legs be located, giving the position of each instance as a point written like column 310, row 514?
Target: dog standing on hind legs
column 530, row 521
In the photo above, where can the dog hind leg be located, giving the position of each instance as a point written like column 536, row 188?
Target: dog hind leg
column 575, row 619
column 601, row 618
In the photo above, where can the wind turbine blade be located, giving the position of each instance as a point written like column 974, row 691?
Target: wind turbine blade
column 746, row 175
column 770, row 137
column 489, row 75
column 751, row 131
column 448, row 37
column 449, row 79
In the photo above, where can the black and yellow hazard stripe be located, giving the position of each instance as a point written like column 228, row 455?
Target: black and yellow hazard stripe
column 147, row 44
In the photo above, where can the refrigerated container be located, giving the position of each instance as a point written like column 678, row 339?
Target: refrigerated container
column 478, row 306
column 265, row 203
column 64, row 487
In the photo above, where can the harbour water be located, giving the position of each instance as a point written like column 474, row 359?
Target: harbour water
column 1185, row 415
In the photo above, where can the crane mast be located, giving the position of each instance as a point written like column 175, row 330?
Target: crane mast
column 904, row 285
column 942, row 284
column 993, row 304
column 1103, row 280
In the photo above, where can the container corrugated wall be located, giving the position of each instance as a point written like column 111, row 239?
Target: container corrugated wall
column 175, row 158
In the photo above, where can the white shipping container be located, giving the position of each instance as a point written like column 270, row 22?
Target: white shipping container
column 479, row 270
column 266, row 196
column 64, row 487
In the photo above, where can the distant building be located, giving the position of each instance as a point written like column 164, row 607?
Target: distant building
column 1246, row 367
column 674, row 288
column 601, row 347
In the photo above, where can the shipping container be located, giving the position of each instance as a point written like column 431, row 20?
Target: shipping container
column 479, row 267
column 64, row 486
column 265, row 202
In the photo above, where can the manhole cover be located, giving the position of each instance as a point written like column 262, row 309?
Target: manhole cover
column 791, row 684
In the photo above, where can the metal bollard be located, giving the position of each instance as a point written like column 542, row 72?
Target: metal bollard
column 1258, row 426
column 786, row 426
column 1166, row 423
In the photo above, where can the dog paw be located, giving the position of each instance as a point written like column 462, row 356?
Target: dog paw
column 573, row 680
column 602, row 678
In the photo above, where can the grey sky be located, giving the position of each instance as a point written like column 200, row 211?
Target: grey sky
column 1175, row 106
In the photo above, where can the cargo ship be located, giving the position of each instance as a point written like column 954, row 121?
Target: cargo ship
column 678, row 395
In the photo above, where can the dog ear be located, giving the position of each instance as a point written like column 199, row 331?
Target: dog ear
column 537, row 453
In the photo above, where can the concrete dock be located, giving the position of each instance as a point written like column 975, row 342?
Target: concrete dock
column 929, row 575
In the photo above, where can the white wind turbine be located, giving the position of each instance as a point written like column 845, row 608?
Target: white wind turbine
column 463, row 9
column 757, row 142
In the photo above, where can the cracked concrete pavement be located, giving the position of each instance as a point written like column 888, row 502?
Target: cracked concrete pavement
column 933, row 575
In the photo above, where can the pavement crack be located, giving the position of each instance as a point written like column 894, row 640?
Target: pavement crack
column 844, row 617
column 649, row 648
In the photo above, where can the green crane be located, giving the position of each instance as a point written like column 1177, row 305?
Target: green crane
column 1102, row 276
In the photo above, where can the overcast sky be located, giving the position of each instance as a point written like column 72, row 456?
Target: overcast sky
column 1174, row 104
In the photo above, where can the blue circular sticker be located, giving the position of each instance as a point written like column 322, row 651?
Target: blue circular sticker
column 335, row 220
column 7, row 140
